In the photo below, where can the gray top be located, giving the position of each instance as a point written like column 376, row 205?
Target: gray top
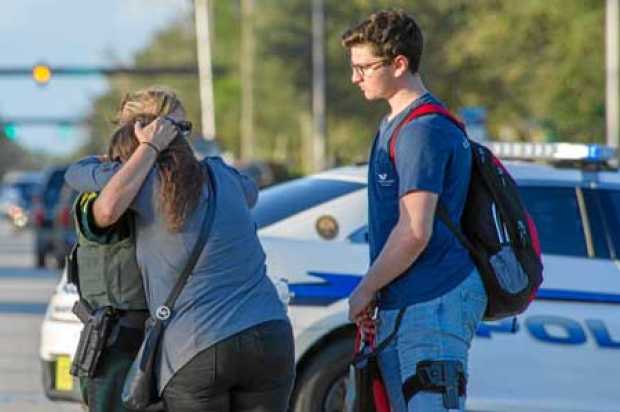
column 228, row 290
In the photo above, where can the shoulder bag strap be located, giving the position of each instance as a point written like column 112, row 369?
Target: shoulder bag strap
column 163, row 312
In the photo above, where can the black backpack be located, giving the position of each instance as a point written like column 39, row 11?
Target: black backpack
column 496, row 229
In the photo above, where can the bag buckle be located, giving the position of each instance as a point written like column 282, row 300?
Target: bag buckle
column 163, row 312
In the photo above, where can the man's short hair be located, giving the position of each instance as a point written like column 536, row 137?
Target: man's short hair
column 390, row 33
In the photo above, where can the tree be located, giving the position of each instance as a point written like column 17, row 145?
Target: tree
column 535, row 66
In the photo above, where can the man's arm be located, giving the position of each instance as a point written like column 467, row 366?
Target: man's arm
column 122, row 188
column 406, row 242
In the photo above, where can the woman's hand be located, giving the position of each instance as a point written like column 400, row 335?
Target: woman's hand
column 160, row 132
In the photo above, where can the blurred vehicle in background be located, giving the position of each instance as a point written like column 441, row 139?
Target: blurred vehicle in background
column 63, row 229
column 264, row 173
column 16, row 196
column 43, row 213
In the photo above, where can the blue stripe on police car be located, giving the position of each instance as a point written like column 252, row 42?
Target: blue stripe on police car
column 550, row 329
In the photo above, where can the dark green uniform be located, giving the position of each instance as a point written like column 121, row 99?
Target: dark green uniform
column 109, row 276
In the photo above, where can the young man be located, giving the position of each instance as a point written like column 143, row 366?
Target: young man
column 418, row 270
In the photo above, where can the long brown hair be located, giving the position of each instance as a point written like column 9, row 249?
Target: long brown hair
column 181, row 175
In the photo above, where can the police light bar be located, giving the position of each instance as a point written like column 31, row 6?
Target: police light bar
column 590, row 153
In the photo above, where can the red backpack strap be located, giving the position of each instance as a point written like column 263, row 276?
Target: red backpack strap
column 422, row 110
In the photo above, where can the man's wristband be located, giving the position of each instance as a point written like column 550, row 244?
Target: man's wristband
column 151, row 145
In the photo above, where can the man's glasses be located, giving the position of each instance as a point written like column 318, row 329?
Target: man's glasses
column 183, row 126
column 367, row 69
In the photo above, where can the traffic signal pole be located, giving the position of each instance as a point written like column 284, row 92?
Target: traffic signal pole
column 98, row 70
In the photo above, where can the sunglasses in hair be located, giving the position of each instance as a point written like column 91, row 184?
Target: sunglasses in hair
column 183, row 126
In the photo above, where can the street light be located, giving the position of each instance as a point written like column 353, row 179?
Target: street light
column 41, row 74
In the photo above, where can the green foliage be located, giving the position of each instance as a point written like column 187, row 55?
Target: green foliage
column 537, row 67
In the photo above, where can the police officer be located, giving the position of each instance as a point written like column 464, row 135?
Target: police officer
column 112, row 306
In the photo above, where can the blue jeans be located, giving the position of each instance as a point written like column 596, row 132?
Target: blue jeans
column 439, row 329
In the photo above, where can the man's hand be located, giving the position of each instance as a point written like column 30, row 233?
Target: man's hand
column 160, row 132
column 361, row 304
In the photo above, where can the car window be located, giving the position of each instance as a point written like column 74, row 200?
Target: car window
column 556, row 213
column 557, row 217
column 286, row 199
column 610, row 209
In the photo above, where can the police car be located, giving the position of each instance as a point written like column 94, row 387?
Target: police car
column 563, row 354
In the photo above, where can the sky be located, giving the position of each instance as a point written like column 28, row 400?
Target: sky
column 70, row 32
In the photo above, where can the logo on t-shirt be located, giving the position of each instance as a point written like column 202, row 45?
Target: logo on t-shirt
column 383, row 180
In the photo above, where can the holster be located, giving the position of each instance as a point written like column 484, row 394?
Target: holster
column 97, row 326
column 444, row 376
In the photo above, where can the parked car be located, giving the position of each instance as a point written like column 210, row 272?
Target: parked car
column 63, row 234
column 42, row 215
column 562, row 355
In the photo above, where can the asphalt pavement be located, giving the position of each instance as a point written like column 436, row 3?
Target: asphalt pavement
column 24, row 293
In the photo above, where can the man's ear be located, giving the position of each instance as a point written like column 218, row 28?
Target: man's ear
column 401, row 65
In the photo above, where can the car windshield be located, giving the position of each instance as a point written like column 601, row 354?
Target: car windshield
column 286, row 199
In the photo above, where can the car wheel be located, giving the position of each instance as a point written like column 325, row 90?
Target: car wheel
column 322, row 384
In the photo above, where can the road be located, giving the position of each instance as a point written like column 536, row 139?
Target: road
column 24, row 293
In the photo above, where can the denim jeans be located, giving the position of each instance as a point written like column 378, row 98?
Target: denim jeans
column 439, row 329
column 252, row 371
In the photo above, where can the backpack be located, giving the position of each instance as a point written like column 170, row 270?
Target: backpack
column 495, row 228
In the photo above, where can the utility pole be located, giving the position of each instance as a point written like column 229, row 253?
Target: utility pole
column 203, row 43
column 248, row 142
column 611, row 63
column 318, row 85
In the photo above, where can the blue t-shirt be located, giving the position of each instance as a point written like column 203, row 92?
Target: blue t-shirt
column 433, row 155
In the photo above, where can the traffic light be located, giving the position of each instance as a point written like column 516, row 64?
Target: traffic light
column 41, row 74
column 65, row 130
column 10, row 131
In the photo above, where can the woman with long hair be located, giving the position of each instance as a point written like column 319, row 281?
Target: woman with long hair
column 228, row 345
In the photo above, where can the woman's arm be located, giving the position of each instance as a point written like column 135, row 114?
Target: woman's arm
column 122, row 188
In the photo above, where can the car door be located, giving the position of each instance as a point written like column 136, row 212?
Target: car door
column 564, row 353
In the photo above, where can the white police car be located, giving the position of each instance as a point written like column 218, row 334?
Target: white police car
column 60, row 334
column 565, row 353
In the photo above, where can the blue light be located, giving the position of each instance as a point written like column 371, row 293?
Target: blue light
column 595, row 152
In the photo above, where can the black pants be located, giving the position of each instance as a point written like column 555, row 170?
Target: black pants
column 252, row 371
